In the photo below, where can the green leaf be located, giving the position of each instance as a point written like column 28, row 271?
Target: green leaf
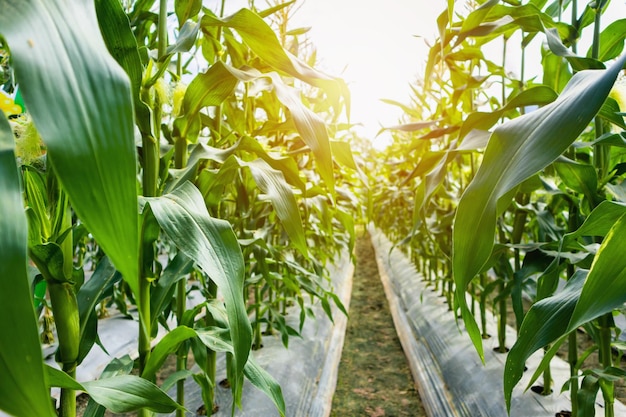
column 187, row 9
column 578, row 63
column 610, row 111
column 89, row 295
column 213, row 245
column 273, row 184
column 539, row 95
column 167, row 345
column 266, row 383
column 117, row 366
column 582, row 178
column 260, row 37
column 161, row 294
column 186, row 38
column 517, row 150
column 23, row 390
column 611, row 41
column 122, row 45
column 124, row 393
column 545, row 322
column 587, row 395
column 608, row 271
column 58, row 378
column 310, row 126
column 599, row 222
column 207, row 89
column 66, row 74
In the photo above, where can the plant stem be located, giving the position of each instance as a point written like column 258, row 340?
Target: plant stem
column 502, row 319
column 211, row 355
column 547, row 379
column 180, row 161
column 574, row 20
column 68, row 396
column 67, row 321
column 601, row 159
column 149, row 234
column 483, row 306
column 181, row 354
column 606, row 358
column 572, row 353
column 162, row 41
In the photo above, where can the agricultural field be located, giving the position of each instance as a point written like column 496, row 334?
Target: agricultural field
column 186, row 196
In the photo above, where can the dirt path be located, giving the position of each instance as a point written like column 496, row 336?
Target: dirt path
column 374, row 378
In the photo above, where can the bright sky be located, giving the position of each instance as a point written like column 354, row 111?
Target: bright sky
column 371, row 44
column 374, row 46
column 378, row 47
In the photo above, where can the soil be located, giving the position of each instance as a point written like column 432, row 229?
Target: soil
column 374, row 377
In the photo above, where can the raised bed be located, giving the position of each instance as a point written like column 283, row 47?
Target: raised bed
column 448, row 373
column 306, row 371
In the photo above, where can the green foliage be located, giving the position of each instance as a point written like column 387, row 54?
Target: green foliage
column 23, row 385
column 500, row 187
column 193, row 188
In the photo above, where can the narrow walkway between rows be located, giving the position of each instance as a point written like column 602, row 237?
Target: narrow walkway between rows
column 374, row 377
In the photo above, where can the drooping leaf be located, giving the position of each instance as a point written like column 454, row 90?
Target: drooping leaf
column 578, row 63
column 216, row 339
column 539, row 95
column 89, row 295
column 582, row 178
column 545, row 322
column 207, row 89
column 125, row 393
column 186, row 38
column 310, row 126
column 516, row 151
column 260, row 37
column 266, row 383
column 23, row 390
column 187, row 9
column 213, row 245
column 66, row 73
column 273, row 184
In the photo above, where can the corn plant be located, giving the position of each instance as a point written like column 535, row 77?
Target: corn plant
column 529, row 210
column 206, row 173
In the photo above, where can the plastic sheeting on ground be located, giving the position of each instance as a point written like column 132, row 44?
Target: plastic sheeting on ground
column 306, row 371
column 448, row 373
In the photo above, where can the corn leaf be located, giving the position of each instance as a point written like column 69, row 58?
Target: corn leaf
column 80, row 101
column 23, row 390
column 266, row 383
column 310, row 126
column 216, row 339
column 599, row 222
column 273, row 184
column 260, row 37
column 545, row 322
column 91, row 293
column 167, row 345
column 607, row 271
column 124, row 393
column 611, row 40
column 213, row 245
column 516, row 151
